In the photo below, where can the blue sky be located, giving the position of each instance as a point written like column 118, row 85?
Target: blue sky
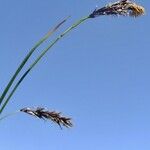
column 98, row 74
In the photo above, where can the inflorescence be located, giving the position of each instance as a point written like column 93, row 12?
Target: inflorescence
column 119, row 8
column 42, row 113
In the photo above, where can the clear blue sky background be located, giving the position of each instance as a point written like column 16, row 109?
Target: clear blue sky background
column 99, row 74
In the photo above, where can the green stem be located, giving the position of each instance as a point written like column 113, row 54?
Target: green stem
column 40, row 56
column 8, row 115
column 26, row 59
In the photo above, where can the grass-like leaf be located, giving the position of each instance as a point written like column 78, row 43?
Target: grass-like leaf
column 26, row 59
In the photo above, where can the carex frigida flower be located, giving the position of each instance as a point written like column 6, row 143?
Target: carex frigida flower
column 119, row 8
column 42, row 113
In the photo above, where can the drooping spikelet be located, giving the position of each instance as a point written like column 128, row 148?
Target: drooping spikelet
column 42, row 113
column 136, row 10
column 123, row 8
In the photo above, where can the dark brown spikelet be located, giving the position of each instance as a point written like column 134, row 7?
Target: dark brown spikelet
column 120, row 8
column 42, row 113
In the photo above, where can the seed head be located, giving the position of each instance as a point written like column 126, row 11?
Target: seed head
column 119, row 8
column 42, row 113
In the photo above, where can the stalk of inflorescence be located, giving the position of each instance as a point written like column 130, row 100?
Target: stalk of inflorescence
column 39, row 58
column 9, row 115
column 119, row 8
column 26, row 59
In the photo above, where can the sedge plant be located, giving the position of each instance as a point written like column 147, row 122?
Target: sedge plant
column 119, row 8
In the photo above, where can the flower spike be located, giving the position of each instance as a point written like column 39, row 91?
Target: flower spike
column 119, row 8
column 42, row 113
